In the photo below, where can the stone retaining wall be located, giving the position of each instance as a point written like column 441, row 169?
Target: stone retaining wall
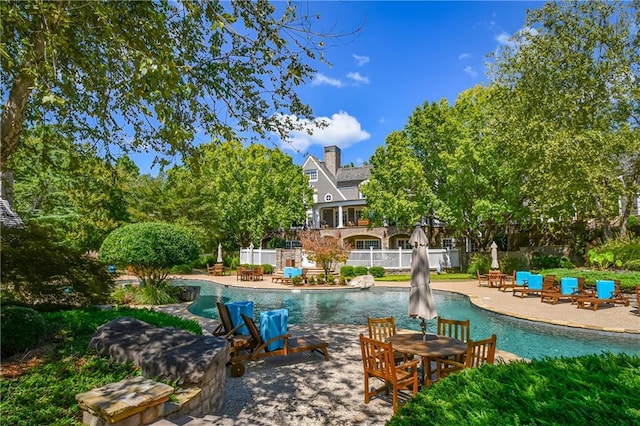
column 196, row 363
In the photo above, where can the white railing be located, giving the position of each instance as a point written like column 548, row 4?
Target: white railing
column 389, row 259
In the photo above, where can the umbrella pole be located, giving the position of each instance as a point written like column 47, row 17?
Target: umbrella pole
column 423, row 326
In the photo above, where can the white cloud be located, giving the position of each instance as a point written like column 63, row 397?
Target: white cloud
column 503, row 38
column 464, row 56
column 469, row 70
column 361, row 60
column 321, row 79
column 341, row 129
column 355, row 76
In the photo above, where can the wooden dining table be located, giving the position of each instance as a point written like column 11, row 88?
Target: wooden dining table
column 428, row 347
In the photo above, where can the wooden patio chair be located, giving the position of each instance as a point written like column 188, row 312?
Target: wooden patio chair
column 458, row 329
column 618, row 295
column 508, row 281
column 536, row 284
column 479, row 352
column 383, row 328
column 257, row 347
column 238, row 343
column 567, row 289
column 378, row 361
column 483, row 280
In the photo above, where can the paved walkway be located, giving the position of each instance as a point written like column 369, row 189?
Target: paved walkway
column 303, row 389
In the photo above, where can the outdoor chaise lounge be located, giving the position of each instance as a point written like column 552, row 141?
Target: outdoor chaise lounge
column 607, row 291
column 258, row 348
column 569, row 288
column 535, row 285
column 378, row 361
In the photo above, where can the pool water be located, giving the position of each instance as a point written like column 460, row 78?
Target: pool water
column 352, row 306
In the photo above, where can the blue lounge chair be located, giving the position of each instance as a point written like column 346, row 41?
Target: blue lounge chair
column 607, row 291
column 569, row 287
column 536, row 284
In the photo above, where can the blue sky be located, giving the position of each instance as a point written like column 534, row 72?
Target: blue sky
column 407, row 53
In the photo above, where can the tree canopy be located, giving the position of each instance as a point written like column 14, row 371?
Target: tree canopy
column 149, row 75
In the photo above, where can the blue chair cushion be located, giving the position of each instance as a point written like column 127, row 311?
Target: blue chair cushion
column 605, row 288
column 274, row 323
column 522, row 277
column 237, row 308
column 568, row 285
column 535, row 282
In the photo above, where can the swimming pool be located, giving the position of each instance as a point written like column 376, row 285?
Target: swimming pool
column 353, row 306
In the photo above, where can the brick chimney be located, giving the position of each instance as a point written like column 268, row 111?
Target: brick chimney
column 332, row 158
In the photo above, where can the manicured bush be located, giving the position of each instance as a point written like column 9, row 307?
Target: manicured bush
column 514, row 263
column 181, row 269
column 150, row 249
column 359, row 270
column 479, row 263
column 20, row 329
column 377, row 271
column 267, row 268
column 201, row 262
column 347, row 271
column 545, row 262
column 40, row 272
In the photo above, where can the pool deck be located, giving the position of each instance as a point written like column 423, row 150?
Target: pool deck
column 608, row 318
column 303, row 389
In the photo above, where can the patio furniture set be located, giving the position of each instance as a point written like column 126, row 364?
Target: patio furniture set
column 524, row 283
column 390, row 356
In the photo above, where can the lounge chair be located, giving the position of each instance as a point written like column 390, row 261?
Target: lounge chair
column 258, row 348
column 535, row 284
column 238, row 343
column 479, row 352
column 378, row 361
column 607, row 291
column 569, row 288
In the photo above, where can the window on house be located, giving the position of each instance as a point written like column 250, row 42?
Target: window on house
column 404, row 243
column 312, row 174
column 328, row 197
column 471, row 246
column 448, row 243
column 366, row 244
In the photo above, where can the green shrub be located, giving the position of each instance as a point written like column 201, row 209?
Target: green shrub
column 151, row 249
column 297, row 280
column 157, row 294
column 201, row 262
column 515, row 263
column 124, row 295
column 181, row 269
column 566, row 263
column 632, row 265
column 545, row 262
column 20, row 329
column 331, row 279
column 377, row 271
column 267, row 268
column 347, row 271
column 359, row 270
column 46, row 275
column 479, row 263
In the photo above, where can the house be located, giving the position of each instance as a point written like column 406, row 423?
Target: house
column 338, row 208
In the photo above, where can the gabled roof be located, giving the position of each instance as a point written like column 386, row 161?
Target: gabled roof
column 352, row 176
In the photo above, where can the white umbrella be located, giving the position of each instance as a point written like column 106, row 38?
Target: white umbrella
column 421, row 302
column 219, row 253
column 251, row 254
column 494, row 256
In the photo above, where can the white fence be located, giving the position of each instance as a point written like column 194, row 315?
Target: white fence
column 388, row 259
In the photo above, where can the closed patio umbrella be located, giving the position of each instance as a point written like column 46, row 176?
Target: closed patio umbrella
column 494, row 256
column 421, row 302
column 251, row 254
column 219, row 253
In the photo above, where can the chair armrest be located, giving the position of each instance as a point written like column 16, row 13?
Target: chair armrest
column 264, row 345
column 407, row 365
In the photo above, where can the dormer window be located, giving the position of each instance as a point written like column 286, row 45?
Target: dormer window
column 312, row 174
column 328, row 197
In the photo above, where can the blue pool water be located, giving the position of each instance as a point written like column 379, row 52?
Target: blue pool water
column 353, row 306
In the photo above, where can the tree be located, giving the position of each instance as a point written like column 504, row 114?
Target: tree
column 68, row 189
column 324, row 250
column 239, row 194
column 41, row 272
column 570, row 109
column 150, row 249
column 142, row 75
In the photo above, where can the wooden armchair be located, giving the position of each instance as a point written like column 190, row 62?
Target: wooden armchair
column 378, row 361
column 479, row 352
column 495, row 279
column 457, row 329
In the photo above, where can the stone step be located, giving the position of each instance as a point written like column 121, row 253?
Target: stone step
column 208, row 420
